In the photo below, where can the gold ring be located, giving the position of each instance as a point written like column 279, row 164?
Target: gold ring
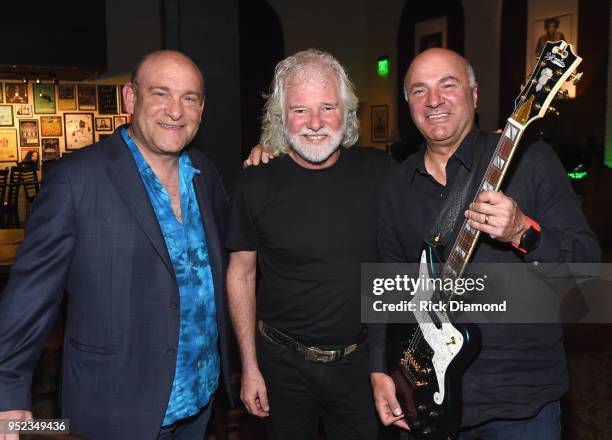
column 486, row 222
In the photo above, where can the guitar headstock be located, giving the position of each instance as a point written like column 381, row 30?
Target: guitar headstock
column 556, row 64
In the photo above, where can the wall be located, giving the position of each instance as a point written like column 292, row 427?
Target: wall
column 37, row 116
column 482, row 44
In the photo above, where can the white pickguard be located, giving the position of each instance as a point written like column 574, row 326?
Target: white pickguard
column 445, row 342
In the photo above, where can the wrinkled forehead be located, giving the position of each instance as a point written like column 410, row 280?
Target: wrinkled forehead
column 171, row 67
column 433, row 68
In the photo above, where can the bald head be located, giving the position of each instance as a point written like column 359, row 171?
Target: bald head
column 154, row 58
column 435, row 55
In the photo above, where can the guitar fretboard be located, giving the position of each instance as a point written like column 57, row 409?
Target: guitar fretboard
column 466, row 240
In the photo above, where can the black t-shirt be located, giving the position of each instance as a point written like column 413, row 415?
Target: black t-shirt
column 311, row 229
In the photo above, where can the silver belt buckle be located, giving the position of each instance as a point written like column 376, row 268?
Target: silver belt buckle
column 315, row 354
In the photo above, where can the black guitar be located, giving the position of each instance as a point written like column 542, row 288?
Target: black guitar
column 431, row 357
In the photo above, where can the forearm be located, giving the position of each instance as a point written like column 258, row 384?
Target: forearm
column 241, row 300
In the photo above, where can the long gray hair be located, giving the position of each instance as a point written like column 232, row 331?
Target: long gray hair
column 300, row 66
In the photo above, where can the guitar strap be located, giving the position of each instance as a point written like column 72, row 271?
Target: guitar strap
column 460, row 193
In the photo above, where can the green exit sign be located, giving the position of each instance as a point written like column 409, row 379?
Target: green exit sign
column 382, row 66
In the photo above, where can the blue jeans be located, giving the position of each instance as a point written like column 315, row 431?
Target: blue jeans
column 546, row 425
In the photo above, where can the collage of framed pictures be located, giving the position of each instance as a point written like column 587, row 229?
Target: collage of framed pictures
column 41, row 121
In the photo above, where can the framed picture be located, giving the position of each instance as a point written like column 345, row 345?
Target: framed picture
column 1, row 92
column 104, row 124
column 86, row 94
column 28, row 133
column 380, row 123
column 107, row 100
column 120, row 120
column 6, row 116
column 50, row 126
column 44, row 98
column 66, row 97
column 23, row 110
column 429, row 33
column 8, row 145
column 50, row 149
column 551, row 28
column 16, row 93
column 31, row 155
column 78, row 130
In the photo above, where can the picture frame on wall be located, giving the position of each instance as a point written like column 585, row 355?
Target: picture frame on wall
column 44, row 98
column 119, row 121
column 22, row 110
column 380, row 123
column 8, row 145
column 551, row 28
column 66, row 96
column 86, row 95
column 78, row 130
column 6, row 116
column 50, row 126
column 29, row 155
column 107, row 100
column 28, row 133
column 50, row 149
column 104, row 124
column 16, row 93
column 430, row 33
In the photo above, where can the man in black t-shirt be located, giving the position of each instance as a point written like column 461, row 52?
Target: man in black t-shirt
column 512, row 389
column 309, row 220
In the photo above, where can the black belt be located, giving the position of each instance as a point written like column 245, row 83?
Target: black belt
column 312, row 354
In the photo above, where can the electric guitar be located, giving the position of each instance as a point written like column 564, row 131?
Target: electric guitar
column 431, row 359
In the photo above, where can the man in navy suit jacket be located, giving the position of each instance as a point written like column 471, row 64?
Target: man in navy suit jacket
column 131, row 229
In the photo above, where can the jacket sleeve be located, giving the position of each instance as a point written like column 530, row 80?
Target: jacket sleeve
column 31, row 299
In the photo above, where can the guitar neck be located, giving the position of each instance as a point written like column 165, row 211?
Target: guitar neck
column 468, row 237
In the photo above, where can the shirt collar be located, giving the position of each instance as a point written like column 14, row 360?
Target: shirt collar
column 464, row 154
column 184, row 160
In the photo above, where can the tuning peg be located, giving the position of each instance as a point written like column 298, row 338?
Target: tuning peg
column 562, row 94
column 558, row 72
column 553, row 110
column 575, row 78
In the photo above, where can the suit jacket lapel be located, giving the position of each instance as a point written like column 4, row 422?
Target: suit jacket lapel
column 126, row 178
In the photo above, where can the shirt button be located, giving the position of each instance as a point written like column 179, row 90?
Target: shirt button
column 173, row 305
column 199, row 364
column 170, row 352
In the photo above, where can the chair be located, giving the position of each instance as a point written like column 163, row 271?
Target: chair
column 12, row 202
column 23, row 175
column 4, row 175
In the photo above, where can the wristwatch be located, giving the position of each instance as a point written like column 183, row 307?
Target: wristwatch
column 530, row 238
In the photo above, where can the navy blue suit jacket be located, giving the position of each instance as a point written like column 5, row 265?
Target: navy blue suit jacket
column 93, row 233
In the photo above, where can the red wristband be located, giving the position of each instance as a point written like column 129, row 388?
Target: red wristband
column 535, row 225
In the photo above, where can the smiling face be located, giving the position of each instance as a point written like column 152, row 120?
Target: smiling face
column 314, row 117
column 441, row 102
column 166, row 101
